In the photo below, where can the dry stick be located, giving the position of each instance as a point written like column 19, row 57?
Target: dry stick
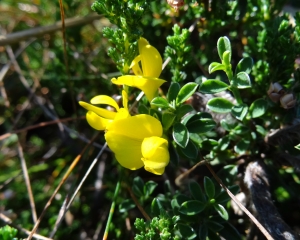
column 255, row 221
column 42, row 124
column 79, row 186
column 70, row 169
column 39, row 31
column 9, row 222
column 138, row 204
column 27, row 181
column 63, row 29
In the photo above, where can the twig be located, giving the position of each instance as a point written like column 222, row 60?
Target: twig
column 79, row 186
column 27, row 181
column 38, row 31
column 42, row 124
column 9, row 222
column 138, row 205
column 70, row 169
column 255, row 221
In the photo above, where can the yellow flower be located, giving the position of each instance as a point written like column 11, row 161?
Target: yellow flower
column 145, row 79
column 129, row 139
column 100, row 118
column 135, row 140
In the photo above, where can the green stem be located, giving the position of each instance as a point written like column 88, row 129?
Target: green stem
column 112, row 209
column 233, row 89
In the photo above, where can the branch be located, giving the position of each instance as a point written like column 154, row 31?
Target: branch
column 38, row 31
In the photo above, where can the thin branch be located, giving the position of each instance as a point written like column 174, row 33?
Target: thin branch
column 39, row 31
column 79, row 187
column 138, row 205
column 9, row 222
column 245, row 210
column 70, row 169
column 27, row 181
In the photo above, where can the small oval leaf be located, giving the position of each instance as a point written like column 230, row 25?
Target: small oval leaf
column 196, row 191
column 221, row 211
column 209, row 187
column 201, row 125
column 173, row 91
column 185, row 92
column 213, row 86
column 239, row 111
column 244, row 65
column 223, row 45
column 215, row 66
column 168, row 120
column 190, row 151
column 226, row 58
column 160, row 102
column 191, row 207
column 180, row 134
column 258, row 108
column 220, row 105
column 241, row 80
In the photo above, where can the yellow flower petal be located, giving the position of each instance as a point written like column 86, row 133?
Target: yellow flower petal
column 103, row 99
column 136, row 67
column 100, row 111
column 125, row 99
column 155, row 152
column 150, row 58
column 148, row 85
column 96, row 122
column 158, row 171
column 136, row 127
column 127, row 151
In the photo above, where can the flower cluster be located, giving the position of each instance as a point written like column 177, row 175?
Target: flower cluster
column 136, row 140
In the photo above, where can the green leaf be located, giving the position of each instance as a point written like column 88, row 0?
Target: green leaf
column 186, row 232
column 213, row 86
column 160, row 102
column 126, row 205
column 209, row 144
column 173, row 91
column 185, row 92
column 174, row 158
column 215, row 66
column 227, row 57
column 196, row 138
column 149, row 187
column 223, row 197
column 156, row 207
column 200, row 125
column 224, row 143
column 244, row 65
column 241, row 80
column 190, row 151
column 192, row 207
column 202, row 232
column 183, row 110
column 242, row 146
column 196, row 191
column 142, row 109
column 297, row 147
column 258, row 108
column 168, row 120
column 213, row 225
column 230, row 232
column 209, row 187
column 223, row 45
column 220, row 105
column 239, row 111
column 180, row 134
column 138, row 186
column 228, row 174
column 221, row 211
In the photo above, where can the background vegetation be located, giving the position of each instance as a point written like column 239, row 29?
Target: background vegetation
column 43, row 129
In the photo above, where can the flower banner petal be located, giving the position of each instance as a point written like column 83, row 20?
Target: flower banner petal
column 103, row 99
column 150, row 58
column 148, row 85
column 96, row 122
column 100, row 111
column 158, row 171
column 127, row 151
column 137, row 127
